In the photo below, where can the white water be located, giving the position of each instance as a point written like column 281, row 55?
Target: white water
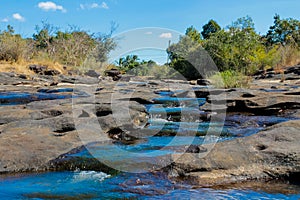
column 90, row 176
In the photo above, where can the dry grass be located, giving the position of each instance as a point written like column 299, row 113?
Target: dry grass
column 289, row 56
column 21, row 67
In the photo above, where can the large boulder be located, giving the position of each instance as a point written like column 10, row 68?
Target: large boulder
column 270, row 154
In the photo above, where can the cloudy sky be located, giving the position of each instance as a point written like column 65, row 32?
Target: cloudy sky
column 177, row 15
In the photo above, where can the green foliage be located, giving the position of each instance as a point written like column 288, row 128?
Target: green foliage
column 237, row 47
column 237, row 50
column 153, row 70
column 263, row 59
column 229, row 79
column 193, row 34
column 243, row 23
column 210, row 28
column 284, row 31
column 131, row 65
column 128, row 63
column 162, row 72
column 189, row 59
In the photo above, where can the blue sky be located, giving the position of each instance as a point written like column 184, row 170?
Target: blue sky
column 176, row 15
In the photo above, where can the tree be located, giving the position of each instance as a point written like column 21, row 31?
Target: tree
column 284, row 31
column 128, row 63
column 44, row 36
column 210, row 28
column 193, row 34
column 237, row 47
column 189, row 59
column 243, row 23
column 12, row 46
column 72, row 48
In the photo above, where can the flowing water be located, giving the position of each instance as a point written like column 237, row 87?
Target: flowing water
column 98, row 185
column 169, row 117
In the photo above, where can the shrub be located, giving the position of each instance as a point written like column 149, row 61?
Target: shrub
column 229, row 79
column 12, row 47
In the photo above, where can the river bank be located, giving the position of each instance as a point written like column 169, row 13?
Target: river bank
column 58, row 114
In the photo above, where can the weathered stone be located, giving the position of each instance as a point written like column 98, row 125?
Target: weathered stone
column 92, row 73
column 273, row 153
column 33, row 135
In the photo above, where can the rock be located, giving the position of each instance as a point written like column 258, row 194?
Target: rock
column 114, row 73
column 261, row 156
column 195, row 149
column 84, row 114
column 38, row 69
column 22, row 76
column 36, row 136
column 51, row 72
column 193, row 82
column 92, row 73
column 203, row 82
column 43, row 70
column 53, row 83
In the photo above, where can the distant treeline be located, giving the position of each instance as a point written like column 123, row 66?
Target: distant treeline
column 70, row 47
column 237, row 48
column 231, row 53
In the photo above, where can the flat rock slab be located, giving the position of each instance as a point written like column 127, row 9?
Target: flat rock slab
column 273, row 153
column 33, row 134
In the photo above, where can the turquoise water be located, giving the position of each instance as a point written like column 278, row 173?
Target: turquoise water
column 88, row 183
column 98, row 185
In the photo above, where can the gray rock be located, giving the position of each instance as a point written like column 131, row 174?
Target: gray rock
column 270, row 154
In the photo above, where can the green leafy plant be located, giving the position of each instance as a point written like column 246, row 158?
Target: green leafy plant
column 229, row 79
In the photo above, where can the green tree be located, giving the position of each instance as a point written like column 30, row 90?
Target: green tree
column 210, row 28
column 189, row 59
column 284, row 31
column 44, row 36
column 128, row 63
column 193, row 33
column 243, row 23
column 237, row 47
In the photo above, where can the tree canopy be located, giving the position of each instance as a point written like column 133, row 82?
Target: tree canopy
column 237, row 47
column 211, row 27
column 284, row 31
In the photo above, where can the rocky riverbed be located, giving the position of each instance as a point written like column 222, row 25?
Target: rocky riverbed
column 43, row 118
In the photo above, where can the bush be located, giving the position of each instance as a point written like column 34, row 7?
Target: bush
column 287, row 55
column 12, row 47
column 229, row 79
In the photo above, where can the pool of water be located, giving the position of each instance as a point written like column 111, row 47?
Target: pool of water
column 99, row 185
column 16, row 98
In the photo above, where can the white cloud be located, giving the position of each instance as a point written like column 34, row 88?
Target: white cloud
column 82, row 7
column 18, row 17
column 5, row 19
column 165, row 35
column 148, row 33
column 93, row 5
column 49, row 5
column 104, row 5
column 89, row 6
